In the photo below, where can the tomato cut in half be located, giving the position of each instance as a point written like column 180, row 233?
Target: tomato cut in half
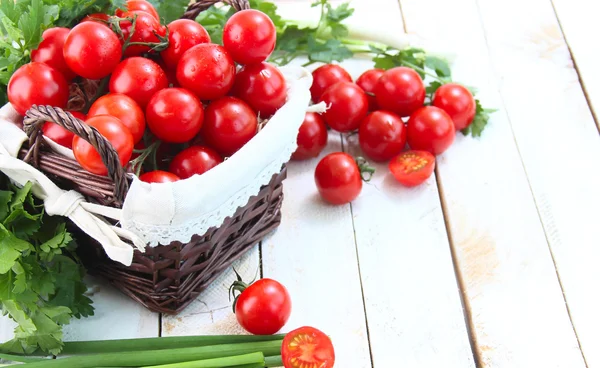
column 412, row 168
column 307, row 347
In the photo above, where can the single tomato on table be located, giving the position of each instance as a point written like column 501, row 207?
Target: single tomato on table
column 262, row 86
column 348, row 106
column 326, row 76
column 412, row 168
column 249, row 36
column 400, row 90
column 123, row 108
column 312, row 137
column 59, row 134
column 307, row 347
column 115, row 132
column 382, row 135
column 195, row 160
column 430, row 129
column 37, row 84
column 368, row 81
column 229, row 123
column 338, row 178
column 174, row 115
column 262, row 308
column 139, row 78
column 159, row 176
column 458, row 102
column 50, row 51
column 183, row 35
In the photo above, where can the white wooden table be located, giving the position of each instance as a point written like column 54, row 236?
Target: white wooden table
column 493, row 262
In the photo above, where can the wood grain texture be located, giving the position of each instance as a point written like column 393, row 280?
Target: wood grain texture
column 558, row 141
column 517, row 310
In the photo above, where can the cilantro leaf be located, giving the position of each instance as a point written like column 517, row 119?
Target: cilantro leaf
column 171, row 9
column 439, row 65
column 479, row 122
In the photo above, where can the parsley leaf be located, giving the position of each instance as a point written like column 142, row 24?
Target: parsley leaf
column 479, row 122
column 171, row 9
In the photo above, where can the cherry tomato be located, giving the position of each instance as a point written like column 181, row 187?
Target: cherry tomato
column 412, row 168
column 264, row 307
column 59, row 134
column 262, row 86
column 50, row 51
column 312, row 137
column 348, row 106
column 195, row 160
column 382, row 135
column 147, row 28
column 92, row 50
column 116, row 133
column 159, row 176
column 96, row 17
column 338, row 178
column 307, row 347
column 207, row 70
column 123, row 108
column 249, row 36
column 139, row 78
column 143, row 5
column 326, row 76
column 175, row 115
column 430, row 129
column 229, row 123
column 183, row 35
column 37, row 84
column 458, row 102
column 367, row 81
column 400, row 90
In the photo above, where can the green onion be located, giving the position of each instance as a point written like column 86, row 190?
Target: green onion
column 273, row 361
column 254, row 358
column 20, row 358
column 157, row 357
column 160, row 343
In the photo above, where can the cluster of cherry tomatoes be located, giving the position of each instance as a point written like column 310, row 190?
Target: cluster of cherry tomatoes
column 374, row 107
column 169, row 88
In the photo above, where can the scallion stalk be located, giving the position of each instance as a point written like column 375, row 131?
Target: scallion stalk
column 20, row 358
column 273, row 361
column 158, row 357
column 232, row 361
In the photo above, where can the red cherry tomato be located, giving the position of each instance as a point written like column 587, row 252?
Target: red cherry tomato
column 382, row 135
column 116, row 133
column 307, row 347
column 264, row 307
column 367, row 81
column 37, row 84
column 249, row 36
column 338, row 178
column 229, row 123
column 59, row 134
column 262, row 86
column 92, row 50
column 123, row 108
column 195, row 160
column 147, row 27
column 312, row 137
column 348, row 106
column 175, row 115
column 50, row 51
column 96, row 17
column 412, row 168
column 458, row 102
column 143, row 5
column 326, row 76
column 159, row 176
column 430, row 129
column 139, row 78
column 183, row 35
column 400, row 90
column 207, row 70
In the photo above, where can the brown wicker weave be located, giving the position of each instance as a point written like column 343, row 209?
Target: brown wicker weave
column 164, row 278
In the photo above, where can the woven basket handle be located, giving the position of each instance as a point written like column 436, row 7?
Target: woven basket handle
column 36, row 116
column 201, row 5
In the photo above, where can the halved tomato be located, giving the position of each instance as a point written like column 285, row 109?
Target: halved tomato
column 307, row 347
column 412, row 168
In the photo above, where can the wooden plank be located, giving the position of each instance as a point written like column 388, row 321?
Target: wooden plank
column 412, row 299
column 314, row 255
column 579, row 23
column 517, row 311
column 211, row 312
column 551, row 110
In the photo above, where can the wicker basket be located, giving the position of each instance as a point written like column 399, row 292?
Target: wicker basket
column 165, row 278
